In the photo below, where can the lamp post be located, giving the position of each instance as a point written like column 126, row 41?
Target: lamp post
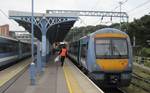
column 32, row 31
column 32, row 65
column 120, row 3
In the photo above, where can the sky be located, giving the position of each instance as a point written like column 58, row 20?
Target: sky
column 93, row 5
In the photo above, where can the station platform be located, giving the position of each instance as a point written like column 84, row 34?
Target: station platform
column 55, row 79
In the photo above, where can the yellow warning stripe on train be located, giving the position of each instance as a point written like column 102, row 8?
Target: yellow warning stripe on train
column 110, row 35
column 72, row 82
column 112, row 64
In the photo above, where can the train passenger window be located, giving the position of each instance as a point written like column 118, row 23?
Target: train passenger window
column 74, row 48
column 5, row 48
column 84, row 50
column 2, row 48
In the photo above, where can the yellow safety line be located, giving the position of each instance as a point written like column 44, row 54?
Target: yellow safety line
column 68, row 83
column 72, row 82
column 12, row 73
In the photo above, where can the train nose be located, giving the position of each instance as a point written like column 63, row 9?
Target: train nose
column 112, row 64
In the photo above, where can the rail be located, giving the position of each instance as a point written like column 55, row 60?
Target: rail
column 113, row 90
column 140, row 79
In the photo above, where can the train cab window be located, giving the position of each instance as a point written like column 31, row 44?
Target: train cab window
column 119, row 47
column 111, row 48
column 103, row 47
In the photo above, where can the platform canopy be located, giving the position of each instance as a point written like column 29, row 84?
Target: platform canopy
column 56, row 26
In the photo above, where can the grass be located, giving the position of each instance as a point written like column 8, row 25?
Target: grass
column 147, row 63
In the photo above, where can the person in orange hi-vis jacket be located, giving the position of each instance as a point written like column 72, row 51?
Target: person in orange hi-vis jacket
column 63, row 54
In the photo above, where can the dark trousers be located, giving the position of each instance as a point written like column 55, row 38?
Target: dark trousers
column 62, row 60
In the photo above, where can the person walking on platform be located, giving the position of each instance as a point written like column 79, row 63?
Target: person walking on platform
column 63, row 54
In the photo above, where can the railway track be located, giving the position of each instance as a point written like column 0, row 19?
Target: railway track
column 113, row 90
column 136, row 76
column 144, row 80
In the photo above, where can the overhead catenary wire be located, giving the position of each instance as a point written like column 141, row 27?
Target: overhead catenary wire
column 123, row 2
column 7, row 17
column 141, row 5
column 4, row 13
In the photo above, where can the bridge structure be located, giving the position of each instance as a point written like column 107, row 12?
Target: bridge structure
column 54, row 25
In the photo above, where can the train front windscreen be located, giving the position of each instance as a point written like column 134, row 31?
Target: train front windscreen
column 111, row 48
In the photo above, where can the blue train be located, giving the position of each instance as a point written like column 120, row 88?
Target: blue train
column 12, row 50
column 105, row 56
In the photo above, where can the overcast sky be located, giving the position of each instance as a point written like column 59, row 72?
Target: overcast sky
column 42, row 5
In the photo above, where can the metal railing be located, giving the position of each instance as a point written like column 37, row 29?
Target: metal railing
column 142, row 60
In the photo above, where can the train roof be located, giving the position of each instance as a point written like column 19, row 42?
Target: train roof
column 108, row 30
column 9, row 38
column 13, row 39
column 25, row 42
column 104, row 30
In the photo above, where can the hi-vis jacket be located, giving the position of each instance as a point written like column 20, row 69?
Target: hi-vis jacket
column 63, row 52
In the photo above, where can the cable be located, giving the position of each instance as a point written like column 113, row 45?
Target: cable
column 123, row 2
column 3, row 13
column 148, row 1
column 6, row 16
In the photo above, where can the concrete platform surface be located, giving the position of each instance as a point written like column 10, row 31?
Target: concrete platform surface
column 10, row 75
column 78, row 82
column 55, row 79
column 52, row 81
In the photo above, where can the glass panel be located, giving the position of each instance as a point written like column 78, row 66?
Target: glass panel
column 103, row 47
column 111, row 48
column 119, row 47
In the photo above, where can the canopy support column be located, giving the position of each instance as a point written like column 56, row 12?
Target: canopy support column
column 47, row 50
column 44, row 48
column 39, row 64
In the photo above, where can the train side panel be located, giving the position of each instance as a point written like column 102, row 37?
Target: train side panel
column 12, row 50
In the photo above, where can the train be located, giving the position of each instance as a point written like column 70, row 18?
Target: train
column 105, row 56
column 12, row 50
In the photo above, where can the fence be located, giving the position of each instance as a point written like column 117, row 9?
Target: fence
column 142, row 60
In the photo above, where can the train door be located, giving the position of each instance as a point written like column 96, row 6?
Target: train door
column 20, row 50
column 79, row 58
column 83, row 54
column 78, row 53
